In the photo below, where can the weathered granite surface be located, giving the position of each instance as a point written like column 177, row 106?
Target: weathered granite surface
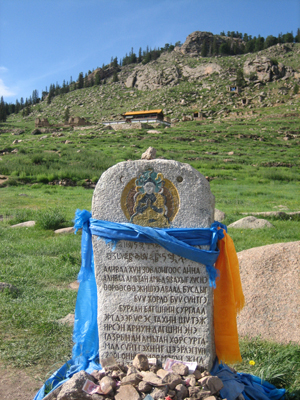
column 150, row 300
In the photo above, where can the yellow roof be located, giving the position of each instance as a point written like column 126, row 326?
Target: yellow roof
column 143, row 112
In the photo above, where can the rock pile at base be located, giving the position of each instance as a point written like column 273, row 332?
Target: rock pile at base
column 142, row 380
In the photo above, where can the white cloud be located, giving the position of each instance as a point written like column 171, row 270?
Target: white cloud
column 4, row 90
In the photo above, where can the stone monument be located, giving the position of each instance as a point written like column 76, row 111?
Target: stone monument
column 151, row 301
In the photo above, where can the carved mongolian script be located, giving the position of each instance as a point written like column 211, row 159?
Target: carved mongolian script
column 149, row 300
column 158, row 305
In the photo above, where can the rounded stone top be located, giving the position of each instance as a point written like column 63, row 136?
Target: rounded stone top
column 158, row 193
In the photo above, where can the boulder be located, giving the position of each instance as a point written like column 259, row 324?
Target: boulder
column 36, row 132
column 67, row 320
column 251, row 223
column 70, row 229
column 26, row 224
column 271, row 285
column 219, row 215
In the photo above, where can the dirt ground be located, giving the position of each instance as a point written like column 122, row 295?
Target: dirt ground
column 15, row 384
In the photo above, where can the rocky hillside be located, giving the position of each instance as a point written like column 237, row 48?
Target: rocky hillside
column 182, row 82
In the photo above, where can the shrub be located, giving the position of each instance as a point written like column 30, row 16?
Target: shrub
column 37, row 159
column 50, row 219
column 12, row 182
column 274, row 61
column 42, row 178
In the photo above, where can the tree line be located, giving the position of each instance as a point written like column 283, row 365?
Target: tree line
column 248, row 44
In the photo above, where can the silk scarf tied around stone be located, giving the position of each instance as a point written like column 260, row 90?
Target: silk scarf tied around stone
column 228, row 294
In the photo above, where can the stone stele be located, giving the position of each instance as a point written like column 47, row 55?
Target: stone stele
column 151, row 301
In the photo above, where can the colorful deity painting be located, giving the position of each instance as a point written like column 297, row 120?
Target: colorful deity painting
column 150, row 200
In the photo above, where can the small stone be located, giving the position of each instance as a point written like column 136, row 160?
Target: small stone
column 192, row 381
column 205, row 373
column 181, row 391
column 141, row 362
column 154, row 368
column 132, row 379
column 118, row 374
column 107, row 384
column 172, row 380
column 171, row 393
column 197, row 374
column 131, row 370
column 74, row 285
column 159, row 393
column 180, row 369
column 195, row 392
column 127, row 392
column 162, row 373
column 98, row 375
column 149, row 154
column 144, row 387
column 211, row 383
column 151, row 378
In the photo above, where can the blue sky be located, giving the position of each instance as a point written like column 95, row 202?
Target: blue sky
column 47, row 41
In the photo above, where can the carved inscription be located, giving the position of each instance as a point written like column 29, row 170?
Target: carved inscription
column 158, row 304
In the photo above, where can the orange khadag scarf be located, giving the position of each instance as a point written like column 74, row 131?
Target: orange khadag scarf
column 228, row 301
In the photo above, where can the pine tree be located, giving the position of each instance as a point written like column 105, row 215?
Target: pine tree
column 214, row 47
column 97, row 78
column 18, row 106
column 35, row 97
column 67, row 114
column 80, row 81
column 115, row 77
column 224, row 48
column 115, row 62
column 140, row 55
column 240, row 81
column 204, row 49
column 2, row 110
column 297, row 37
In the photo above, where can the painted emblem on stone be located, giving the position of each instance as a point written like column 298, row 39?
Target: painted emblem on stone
column 150, row 200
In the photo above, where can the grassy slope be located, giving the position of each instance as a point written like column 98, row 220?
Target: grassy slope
column 252, row 166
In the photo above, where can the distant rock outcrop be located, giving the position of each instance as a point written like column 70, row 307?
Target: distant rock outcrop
column 271, row 285
column 264, row 69
column 193, row 44
column 147, row 77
